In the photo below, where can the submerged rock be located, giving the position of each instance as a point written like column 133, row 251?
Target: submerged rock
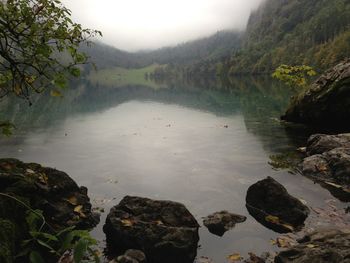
column 328, row 163
column 321, row 246
column 131, row 256
column 220, row 222
column 271, row 205
column 164, row 230
column 327, row 102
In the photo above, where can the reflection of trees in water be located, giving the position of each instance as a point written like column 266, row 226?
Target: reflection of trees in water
column 260, row 100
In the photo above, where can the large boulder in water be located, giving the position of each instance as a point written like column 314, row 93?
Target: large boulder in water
column 328, row 163
column 164, row 230
column 271, row 205
column 326, row 103
column 321, row 246
column 62, row 201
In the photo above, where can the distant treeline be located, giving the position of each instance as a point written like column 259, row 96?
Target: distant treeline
column 311, row 32
column 216, row 46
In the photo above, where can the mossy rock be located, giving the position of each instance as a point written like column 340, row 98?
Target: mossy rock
column 49, row 190
column 30, row 186
column 326, row 103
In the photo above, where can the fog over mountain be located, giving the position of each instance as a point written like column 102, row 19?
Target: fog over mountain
column 137, row 24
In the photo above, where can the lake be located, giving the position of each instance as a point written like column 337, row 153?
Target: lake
column 199, row 145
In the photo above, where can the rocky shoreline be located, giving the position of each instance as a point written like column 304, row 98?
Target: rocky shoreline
column 328, row 163
column 140, row 230
column 326, row 104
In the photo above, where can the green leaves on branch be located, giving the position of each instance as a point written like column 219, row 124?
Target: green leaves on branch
column 39, row 46
column 6, row 128
column 294, row 76
column 45, row 243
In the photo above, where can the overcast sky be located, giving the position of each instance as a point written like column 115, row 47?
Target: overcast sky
column 139, row 24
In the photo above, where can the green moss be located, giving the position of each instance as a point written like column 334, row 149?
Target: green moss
column 7, row 241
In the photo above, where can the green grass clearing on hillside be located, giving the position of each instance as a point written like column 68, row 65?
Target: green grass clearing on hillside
column 118, row 77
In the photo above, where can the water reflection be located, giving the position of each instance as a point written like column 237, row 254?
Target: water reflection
column 201, row 144
column 259, row 100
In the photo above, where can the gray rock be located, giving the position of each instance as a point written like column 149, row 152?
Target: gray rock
column 136, row 254
column 165, row 231
column 328, row 163
column 126, row 259
column 327, row 102
column 220, row 222
column 321, row 246
column 320, row 143
column 271, row 205
column 49, row 190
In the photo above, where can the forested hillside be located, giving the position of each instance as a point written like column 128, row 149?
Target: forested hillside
column 312, row 32
column 221, row 44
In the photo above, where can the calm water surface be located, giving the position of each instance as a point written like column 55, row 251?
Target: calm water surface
column 201, row 147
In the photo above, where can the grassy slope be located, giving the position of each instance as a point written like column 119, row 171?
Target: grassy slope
column 118, row 77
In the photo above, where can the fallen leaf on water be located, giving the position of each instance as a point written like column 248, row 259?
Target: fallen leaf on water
column 203, row 260
column 30, row 171
column 289, row 227
column 56, row 93
column 334, row 185
column 127, row 222
column 322, row 168
column 72, row 200
column 311, row 246
column 158, row 222
column 235, row 257
column 43, row 178
column 275, row 220
column 78, row 209
column 82, row 215
column 302, row 149
column 272, row 219
column 283, row 243
column 303, row 201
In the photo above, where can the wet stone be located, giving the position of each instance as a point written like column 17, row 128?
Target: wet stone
column 328, row 163
column 272, row 206
column 321, row 246
column 164, row 230
column 62, row 201
column 220, row 222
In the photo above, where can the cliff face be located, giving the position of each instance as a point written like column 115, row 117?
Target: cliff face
column 327, row 102
column 312, row 32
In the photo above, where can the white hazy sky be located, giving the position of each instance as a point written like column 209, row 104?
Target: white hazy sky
column 148, row 24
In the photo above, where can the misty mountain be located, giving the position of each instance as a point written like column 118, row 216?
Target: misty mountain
column 105, row 56
column 311, row 32
column 221, row 44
